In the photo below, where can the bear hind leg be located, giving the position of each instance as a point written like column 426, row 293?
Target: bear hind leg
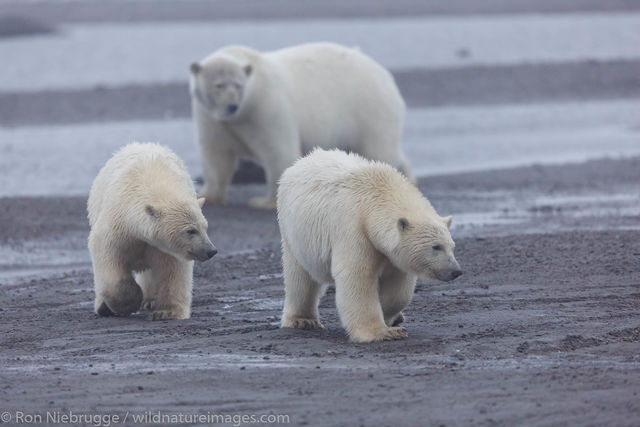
column 102, row 309
column 119, row 298
column 117, row 293
column 396, row 289
column 302, row 295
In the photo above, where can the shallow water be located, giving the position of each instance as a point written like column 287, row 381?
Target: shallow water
column 64, row 160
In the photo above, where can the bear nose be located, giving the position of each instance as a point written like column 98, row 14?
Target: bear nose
column 232, row 108
column 211, row 253
column 456, row 273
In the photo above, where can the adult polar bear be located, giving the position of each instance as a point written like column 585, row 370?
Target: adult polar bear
column 276, row 106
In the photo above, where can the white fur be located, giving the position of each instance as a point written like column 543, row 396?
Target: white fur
column 291, row 101
column 145, row 218
column 340, row 218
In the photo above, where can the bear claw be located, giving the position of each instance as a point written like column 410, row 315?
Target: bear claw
column 165, row 315
column 396, row 333
column 302, row 323
column 388, row 333
column 147, row 304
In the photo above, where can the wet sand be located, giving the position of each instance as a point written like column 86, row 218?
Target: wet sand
column 543, row 327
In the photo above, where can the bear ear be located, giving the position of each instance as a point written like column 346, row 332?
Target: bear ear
column 152, row 212
column 248, row 69
column 201, row 201
column 195, row 68
column 448, row 220
column 403, row 224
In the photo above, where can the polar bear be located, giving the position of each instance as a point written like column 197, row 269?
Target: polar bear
column 365, row 227
column 276, row 106
column 145, row 218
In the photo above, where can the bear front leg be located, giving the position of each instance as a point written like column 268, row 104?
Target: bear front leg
column 301, row 294
column 396, row 289
column 218, row 167
column 218, row 148
column 167, row 286
column 359, row 307
column 275, row 161
column 272, row 173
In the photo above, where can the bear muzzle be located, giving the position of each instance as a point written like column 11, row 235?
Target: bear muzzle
column 448, row 275
column 204, row 254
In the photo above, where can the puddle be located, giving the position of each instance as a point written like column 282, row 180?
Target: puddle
column 596, row 205
column 264, row 277
column 176, row 362
column 232, row 299
column 224, row 361
column 514, row 214
column 266, row 304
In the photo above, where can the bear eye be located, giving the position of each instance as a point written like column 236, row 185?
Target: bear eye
column 220, row 86
column 436, row 247
column 192, row 231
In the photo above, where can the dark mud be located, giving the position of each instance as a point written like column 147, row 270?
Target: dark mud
column 542, row 329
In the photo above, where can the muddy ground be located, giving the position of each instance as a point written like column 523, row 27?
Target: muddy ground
column 542, row 329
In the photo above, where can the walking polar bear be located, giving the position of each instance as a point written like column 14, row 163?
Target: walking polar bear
column 276, row 106
column 364, row 226
column 145, row 218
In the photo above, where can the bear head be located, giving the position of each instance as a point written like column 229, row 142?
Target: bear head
column 180, row 229
column 219, row 85
column 423, row 246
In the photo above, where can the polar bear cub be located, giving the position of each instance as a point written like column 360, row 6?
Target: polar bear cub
column 145, row 218
column 274, row 107
column 364, row 226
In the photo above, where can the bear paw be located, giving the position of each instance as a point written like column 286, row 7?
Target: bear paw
column 301, row 323
column 167, row 314
column 213, row 198
column 262, row 203
column 383, row 334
